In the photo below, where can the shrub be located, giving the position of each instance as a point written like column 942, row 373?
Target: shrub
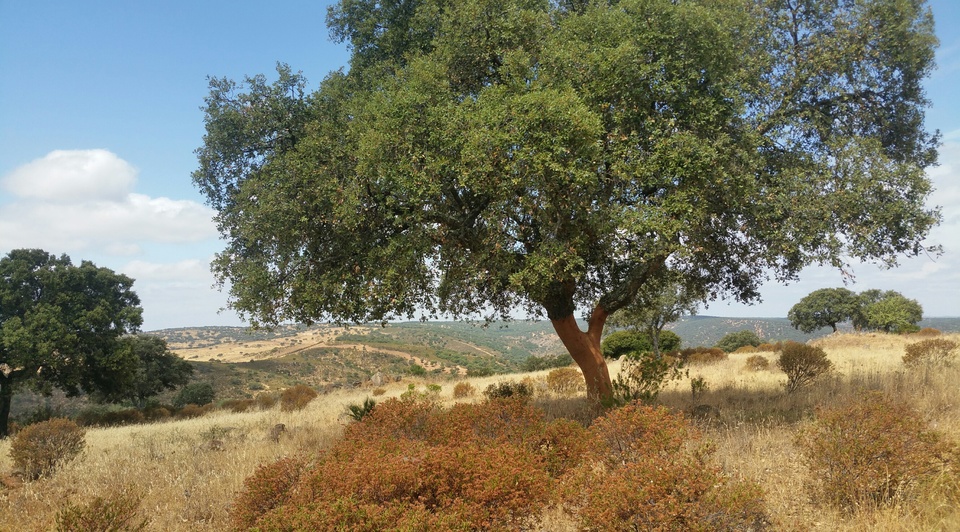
column 463, row 389
column 566, row 381
column 156, row 413
column 803, row 364
column 770, row 347
column 757, row 363
column 505, row 389
column 116, row 514
column 869, row 450
column 934, row 352
column 642, row 474
column 238, row 405
column 358, row 412
column 928, row 331
column 190, row 411
column 379, row 391
column 266, row 489
column 701, row 356
column 746, row 349
column 127, row 416
column 41, row 448
column 535, row 363
column 266, row 400
column 195, row 393
column 297, row 398
column 642, row 376
column 732, row 341
column 410, row 465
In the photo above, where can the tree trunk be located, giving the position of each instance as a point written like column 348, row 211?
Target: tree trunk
column 584, row 347
column 6, row 397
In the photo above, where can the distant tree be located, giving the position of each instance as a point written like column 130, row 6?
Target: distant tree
column 478, row 157
column 656, row 306
column 823, row 308
column 156, row 369
column 61, row 325
column 195, row 393
column 735, row 340
column 894, row 313
column 864, row 300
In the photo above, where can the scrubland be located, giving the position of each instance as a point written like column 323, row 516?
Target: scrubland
column 186, row 474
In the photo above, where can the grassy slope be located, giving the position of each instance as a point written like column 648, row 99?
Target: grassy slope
column 186, row 486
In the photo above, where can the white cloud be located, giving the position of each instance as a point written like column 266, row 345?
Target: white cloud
column 72, row 176
column 80, row 201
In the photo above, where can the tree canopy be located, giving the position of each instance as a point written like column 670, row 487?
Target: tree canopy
column 151, row 369
column 61, row 324
column 889, row 311
column 824, row 308
column 484, row 156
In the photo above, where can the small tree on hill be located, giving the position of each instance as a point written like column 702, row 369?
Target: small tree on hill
column 893, row 313
column 735, row 340
column 823, row 308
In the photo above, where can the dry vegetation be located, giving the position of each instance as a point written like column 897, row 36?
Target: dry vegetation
column 187, row 473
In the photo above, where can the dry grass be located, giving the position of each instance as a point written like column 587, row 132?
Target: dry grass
column 186, row 483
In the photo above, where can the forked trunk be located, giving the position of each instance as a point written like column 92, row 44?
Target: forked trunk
column 6, row 397
column 584, row 347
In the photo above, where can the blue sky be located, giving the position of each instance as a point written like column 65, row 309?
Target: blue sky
column 100, row 116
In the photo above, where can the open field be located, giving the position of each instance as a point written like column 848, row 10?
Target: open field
column 186, row 482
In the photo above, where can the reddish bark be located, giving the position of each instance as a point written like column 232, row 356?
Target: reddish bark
column 584, row 347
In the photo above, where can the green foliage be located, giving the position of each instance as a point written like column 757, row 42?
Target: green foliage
column 566, row 381
column 932, row 352
column 297, row 397
column 735, row 340
column 642, row 376
column 61, row 324
column 118, row 513
column 417, row 370
column 157, row 369
column 508, row 389
column 646, row 473
column 869, row 451
column 536, row 363
column 195, row 393
column 358, row 412
column 823, row 308
column 893, row 313
column 39, row 449
column 803, row 364
column 620, row 343
column 568, row 158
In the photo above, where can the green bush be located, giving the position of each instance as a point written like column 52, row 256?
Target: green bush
column 642, row 473
column 505, row 389
column 535, row 363
column 359, row 411
column 642, row 376
column 735, row 340
column 41, row 448
column 934, row 352
column 195, row 393
column 803, row 364
column 115, row 514
column 566, row 381
column 297, row 397
column 869, row 450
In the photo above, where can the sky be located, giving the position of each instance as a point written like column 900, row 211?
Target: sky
column 100, row 115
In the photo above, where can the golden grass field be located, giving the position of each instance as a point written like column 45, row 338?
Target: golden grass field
column 186, row 484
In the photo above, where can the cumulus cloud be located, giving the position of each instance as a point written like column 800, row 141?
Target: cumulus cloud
column 72, row 176
column 82, row 200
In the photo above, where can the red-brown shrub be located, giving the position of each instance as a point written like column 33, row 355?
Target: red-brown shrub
column 642, row 475
column 191, row 411
column 702, row 355
column 934, row 352
column 266, row 400
column 464, row 389
column 411, row 465
column 757, row 363
column 238, row 405
column 297, row 398
column 869, row 450
column 566, row 381
column 266, row 489
column 42, row 447
column 803, row 364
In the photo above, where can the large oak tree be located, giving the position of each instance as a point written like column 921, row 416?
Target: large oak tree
column 482, row 156
column 61, row 324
